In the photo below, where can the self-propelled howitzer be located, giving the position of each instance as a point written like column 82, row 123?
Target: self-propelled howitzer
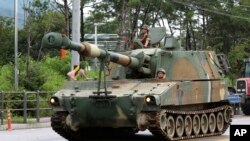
column 190, row 102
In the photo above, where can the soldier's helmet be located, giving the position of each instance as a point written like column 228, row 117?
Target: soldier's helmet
column 144, row 27
column 161, row 70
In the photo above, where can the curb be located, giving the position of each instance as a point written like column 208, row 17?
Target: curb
column 25, row 126
column 44, row 123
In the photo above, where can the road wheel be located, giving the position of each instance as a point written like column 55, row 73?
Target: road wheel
column 228, row 113
column 170, row 126
column 212, row 123
column 163, row 120
column 220, row 122
column 188, row 125
column 179, row 126
column 196, row 124
column 204, row 123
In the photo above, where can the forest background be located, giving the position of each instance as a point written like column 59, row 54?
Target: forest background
column 219, row 25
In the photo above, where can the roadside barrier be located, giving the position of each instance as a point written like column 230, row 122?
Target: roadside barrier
column 28, row 105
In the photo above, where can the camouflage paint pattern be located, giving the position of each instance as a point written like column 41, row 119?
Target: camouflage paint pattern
column 192, row 77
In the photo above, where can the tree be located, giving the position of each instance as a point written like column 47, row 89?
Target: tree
column 6, row 40
column 41, row 20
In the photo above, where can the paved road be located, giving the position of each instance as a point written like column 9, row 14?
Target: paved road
column 47, row 134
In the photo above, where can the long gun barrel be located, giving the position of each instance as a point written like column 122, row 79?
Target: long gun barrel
column 58, row 40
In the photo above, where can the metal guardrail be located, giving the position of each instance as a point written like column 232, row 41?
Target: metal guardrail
column 28, row 101
column 110, row 45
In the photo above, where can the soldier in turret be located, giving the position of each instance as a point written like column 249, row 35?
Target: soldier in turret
column 144, row 38
column 161, row 74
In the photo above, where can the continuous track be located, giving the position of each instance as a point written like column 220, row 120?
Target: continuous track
column 166, row 124
column 180, row 125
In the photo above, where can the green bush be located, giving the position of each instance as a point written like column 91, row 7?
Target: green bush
column 48, row 74
column 6, row 77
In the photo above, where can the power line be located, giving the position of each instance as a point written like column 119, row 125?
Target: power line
column 240, row 5
column 244, row 6
column 210, row 11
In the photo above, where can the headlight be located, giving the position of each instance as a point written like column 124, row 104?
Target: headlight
column 150, row 100
column 54, row 101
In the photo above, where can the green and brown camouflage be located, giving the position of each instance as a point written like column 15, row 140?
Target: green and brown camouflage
column 190, row 102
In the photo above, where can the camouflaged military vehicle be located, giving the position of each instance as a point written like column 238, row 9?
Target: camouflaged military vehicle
column 191, row 102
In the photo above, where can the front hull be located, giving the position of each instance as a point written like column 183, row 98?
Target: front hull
column 116, row 112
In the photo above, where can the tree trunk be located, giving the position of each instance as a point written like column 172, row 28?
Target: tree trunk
column 204, row 45
column 66, row 9
column 122, row 17
column 193, row 38
column 135, row 21
column 145, row 15
column 188, row 47
column 82, row 21
column 157, row 14
column 28, row 46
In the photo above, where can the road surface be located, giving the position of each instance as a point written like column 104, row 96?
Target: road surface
column 47, row 134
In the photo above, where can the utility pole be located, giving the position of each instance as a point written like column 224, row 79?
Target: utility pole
column 75, row 60
column 96, row 43
column 16, row 45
